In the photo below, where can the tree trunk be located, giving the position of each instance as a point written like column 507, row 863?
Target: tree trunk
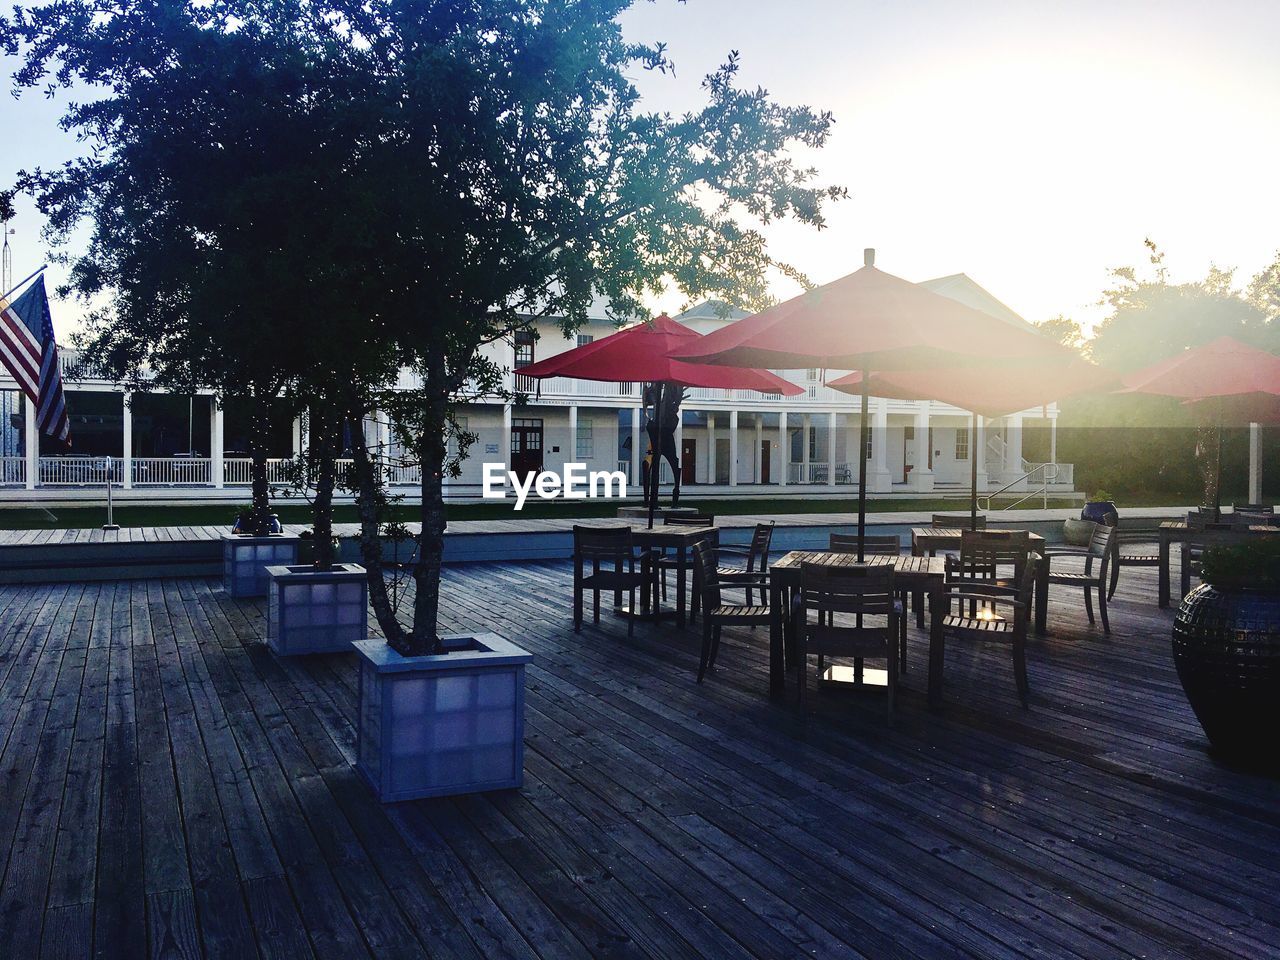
column 424, row 637
column 259, row 433
column 325, row 428
column 368, row 501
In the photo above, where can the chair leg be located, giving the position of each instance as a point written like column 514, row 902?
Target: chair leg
column 631, row 620
column 1088, row 604
column 715, row 644
column 706, row 648
column 1102, row 609
column 902, row 634
column 1115, row 579
column 1020, row 670
column 595, row 605
column 577, row 609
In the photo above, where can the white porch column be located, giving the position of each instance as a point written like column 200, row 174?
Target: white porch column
column 784, row 449
column 636, row 453
column 807, row 425
column 31, row 440
column 831, row 449
column 680, row 441
column 506, row 434
column 878, row 479
column 571, row 451
column 126, row 441
column 733, row 448
column 299, row 437
column 978, row 448
column 1053, row 440
column 711, row 446
column 217, row 431
column 921, row 475
column 759, row 454
column 1012, row 466
column 1255, row 463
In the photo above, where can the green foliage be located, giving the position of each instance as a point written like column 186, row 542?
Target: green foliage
column 1063, row 330
column 1100, row 495
column 1254, row 564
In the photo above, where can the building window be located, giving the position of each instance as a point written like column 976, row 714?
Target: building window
column 584, row 339
column 585, row 447
column 813, row 444
column 866, row 454
column 811, row 374
column 962, row 444
column 460, row 427
column 524, row 348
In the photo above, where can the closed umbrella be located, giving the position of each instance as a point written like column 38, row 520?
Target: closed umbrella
column 644, row 353
column 1221, row 382
column 873, row 321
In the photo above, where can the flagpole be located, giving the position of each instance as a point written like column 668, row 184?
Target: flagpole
column 32, row 276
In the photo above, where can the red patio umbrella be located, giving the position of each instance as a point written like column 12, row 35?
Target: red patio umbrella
column 643, row 353
column 873, row 321
column 979, row 391
column 1222, row 382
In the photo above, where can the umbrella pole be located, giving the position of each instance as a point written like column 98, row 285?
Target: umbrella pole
column 1217, row 484
column 973, row 472
column 864, row 430
column 655, row 465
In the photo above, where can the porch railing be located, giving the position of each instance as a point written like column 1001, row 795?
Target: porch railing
column 173, row 471
column 13, row 471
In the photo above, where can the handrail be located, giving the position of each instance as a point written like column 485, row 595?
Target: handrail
column 1043, row 490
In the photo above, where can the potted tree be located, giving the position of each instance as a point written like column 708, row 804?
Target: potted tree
column 666, row 199
column 1226, row 646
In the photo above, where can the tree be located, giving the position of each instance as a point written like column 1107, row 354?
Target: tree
column 224, row 220
column 1063, row 330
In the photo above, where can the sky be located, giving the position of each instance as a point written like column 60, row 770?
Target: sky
column 1031, row 145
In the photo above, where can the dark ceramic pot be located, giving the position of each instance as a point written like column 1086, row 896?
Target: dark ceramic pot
column 275, row 525
column 1101, row 511
column 1226, row 646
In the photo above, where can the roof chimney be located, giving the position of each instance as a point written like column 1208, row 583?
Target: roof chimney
column 869, row 257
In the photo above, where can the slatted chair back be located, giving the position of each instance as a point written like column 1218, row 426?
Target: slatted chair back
column 1206, row 520
column 690, row 520
column 860, row 589
column 761, row 540
column 1101, row 546
column 597, row 545
column 983, row 552
column 880, row 545
column 1243, row 519
column 948, row 520
column 1253, row 508
column 705, row 577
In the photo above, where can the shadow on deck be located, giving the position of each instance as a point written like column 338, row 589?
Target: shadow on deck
column 169, row 787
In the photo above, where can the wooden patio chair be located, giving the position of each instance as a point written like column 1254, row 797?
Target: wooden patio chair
column 997, row 616
column 829, row 597
column 756, row 554
column 594, row 549
column 715, row 613
column 668, row 562
column 982, row 555
column 1191, row 550
column 1100, row 551
column 961, row 520
column 1134, row 548
column 1253, row 508
column 881, row 544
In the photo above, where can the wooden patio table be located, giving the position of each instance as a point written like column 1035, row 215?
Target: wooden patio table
column 927, row 575
column 1177, row 531
column 680, row 539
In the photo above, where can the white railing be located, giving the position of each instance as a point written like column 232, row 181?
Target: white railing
column 13, row 471
column 80, row 470
column 404, row 474
column 625, row 467
column 1038, row 478
column 817, row 473
column 238, row 471
column 173, row 471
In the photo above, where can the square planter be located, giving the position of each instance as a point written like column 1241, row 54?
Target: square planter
column 442, row 724
column 245, row 560
column 313, row 612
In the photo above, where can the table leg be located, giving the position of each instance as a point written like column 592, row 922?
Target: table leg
column 1042, row 595
column 681, row 559
column 1163, row 596
column 777, row 667
column 937, row 610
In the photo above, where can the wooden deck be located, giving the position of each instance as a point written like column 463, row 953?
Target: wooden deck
column 169, row 788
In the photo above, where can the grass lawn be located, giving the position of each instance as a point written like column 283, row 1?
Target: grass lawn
column 144, row 515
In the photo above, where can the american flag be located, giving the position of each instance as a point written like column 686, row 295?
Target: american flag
column 30, row 354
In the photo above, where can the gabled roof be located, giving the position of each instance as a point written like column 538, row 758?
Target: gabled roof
column 961, row 288
column 712, row 310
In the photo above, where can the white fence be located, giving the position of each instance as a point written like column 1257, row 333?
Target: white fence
column 173, row 471
column 80, row 470
column 13, row 471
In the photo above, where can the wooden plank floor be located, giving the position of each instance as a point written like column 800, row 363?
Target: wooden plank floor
column 169, row 788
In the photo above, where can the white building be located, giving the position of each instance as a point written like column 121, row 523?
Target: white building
column 732, row 442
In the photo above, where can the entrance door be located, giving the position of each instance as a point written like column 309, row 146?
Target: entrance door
column 526, row 447
column 722, row 459
column 688, row 461
column 764, row 461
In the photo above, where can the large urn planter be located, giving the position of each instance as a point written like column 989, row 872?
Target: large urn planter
column 245, row 560
column 1101, row 511
column 1078, row 533
column 313, row 611
column 1226, row 645
column 442, row 724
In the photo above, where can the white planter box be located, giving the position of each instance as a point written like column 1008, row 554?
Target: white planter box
column 245, row 560
column 443, row 724
column 313, row 612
